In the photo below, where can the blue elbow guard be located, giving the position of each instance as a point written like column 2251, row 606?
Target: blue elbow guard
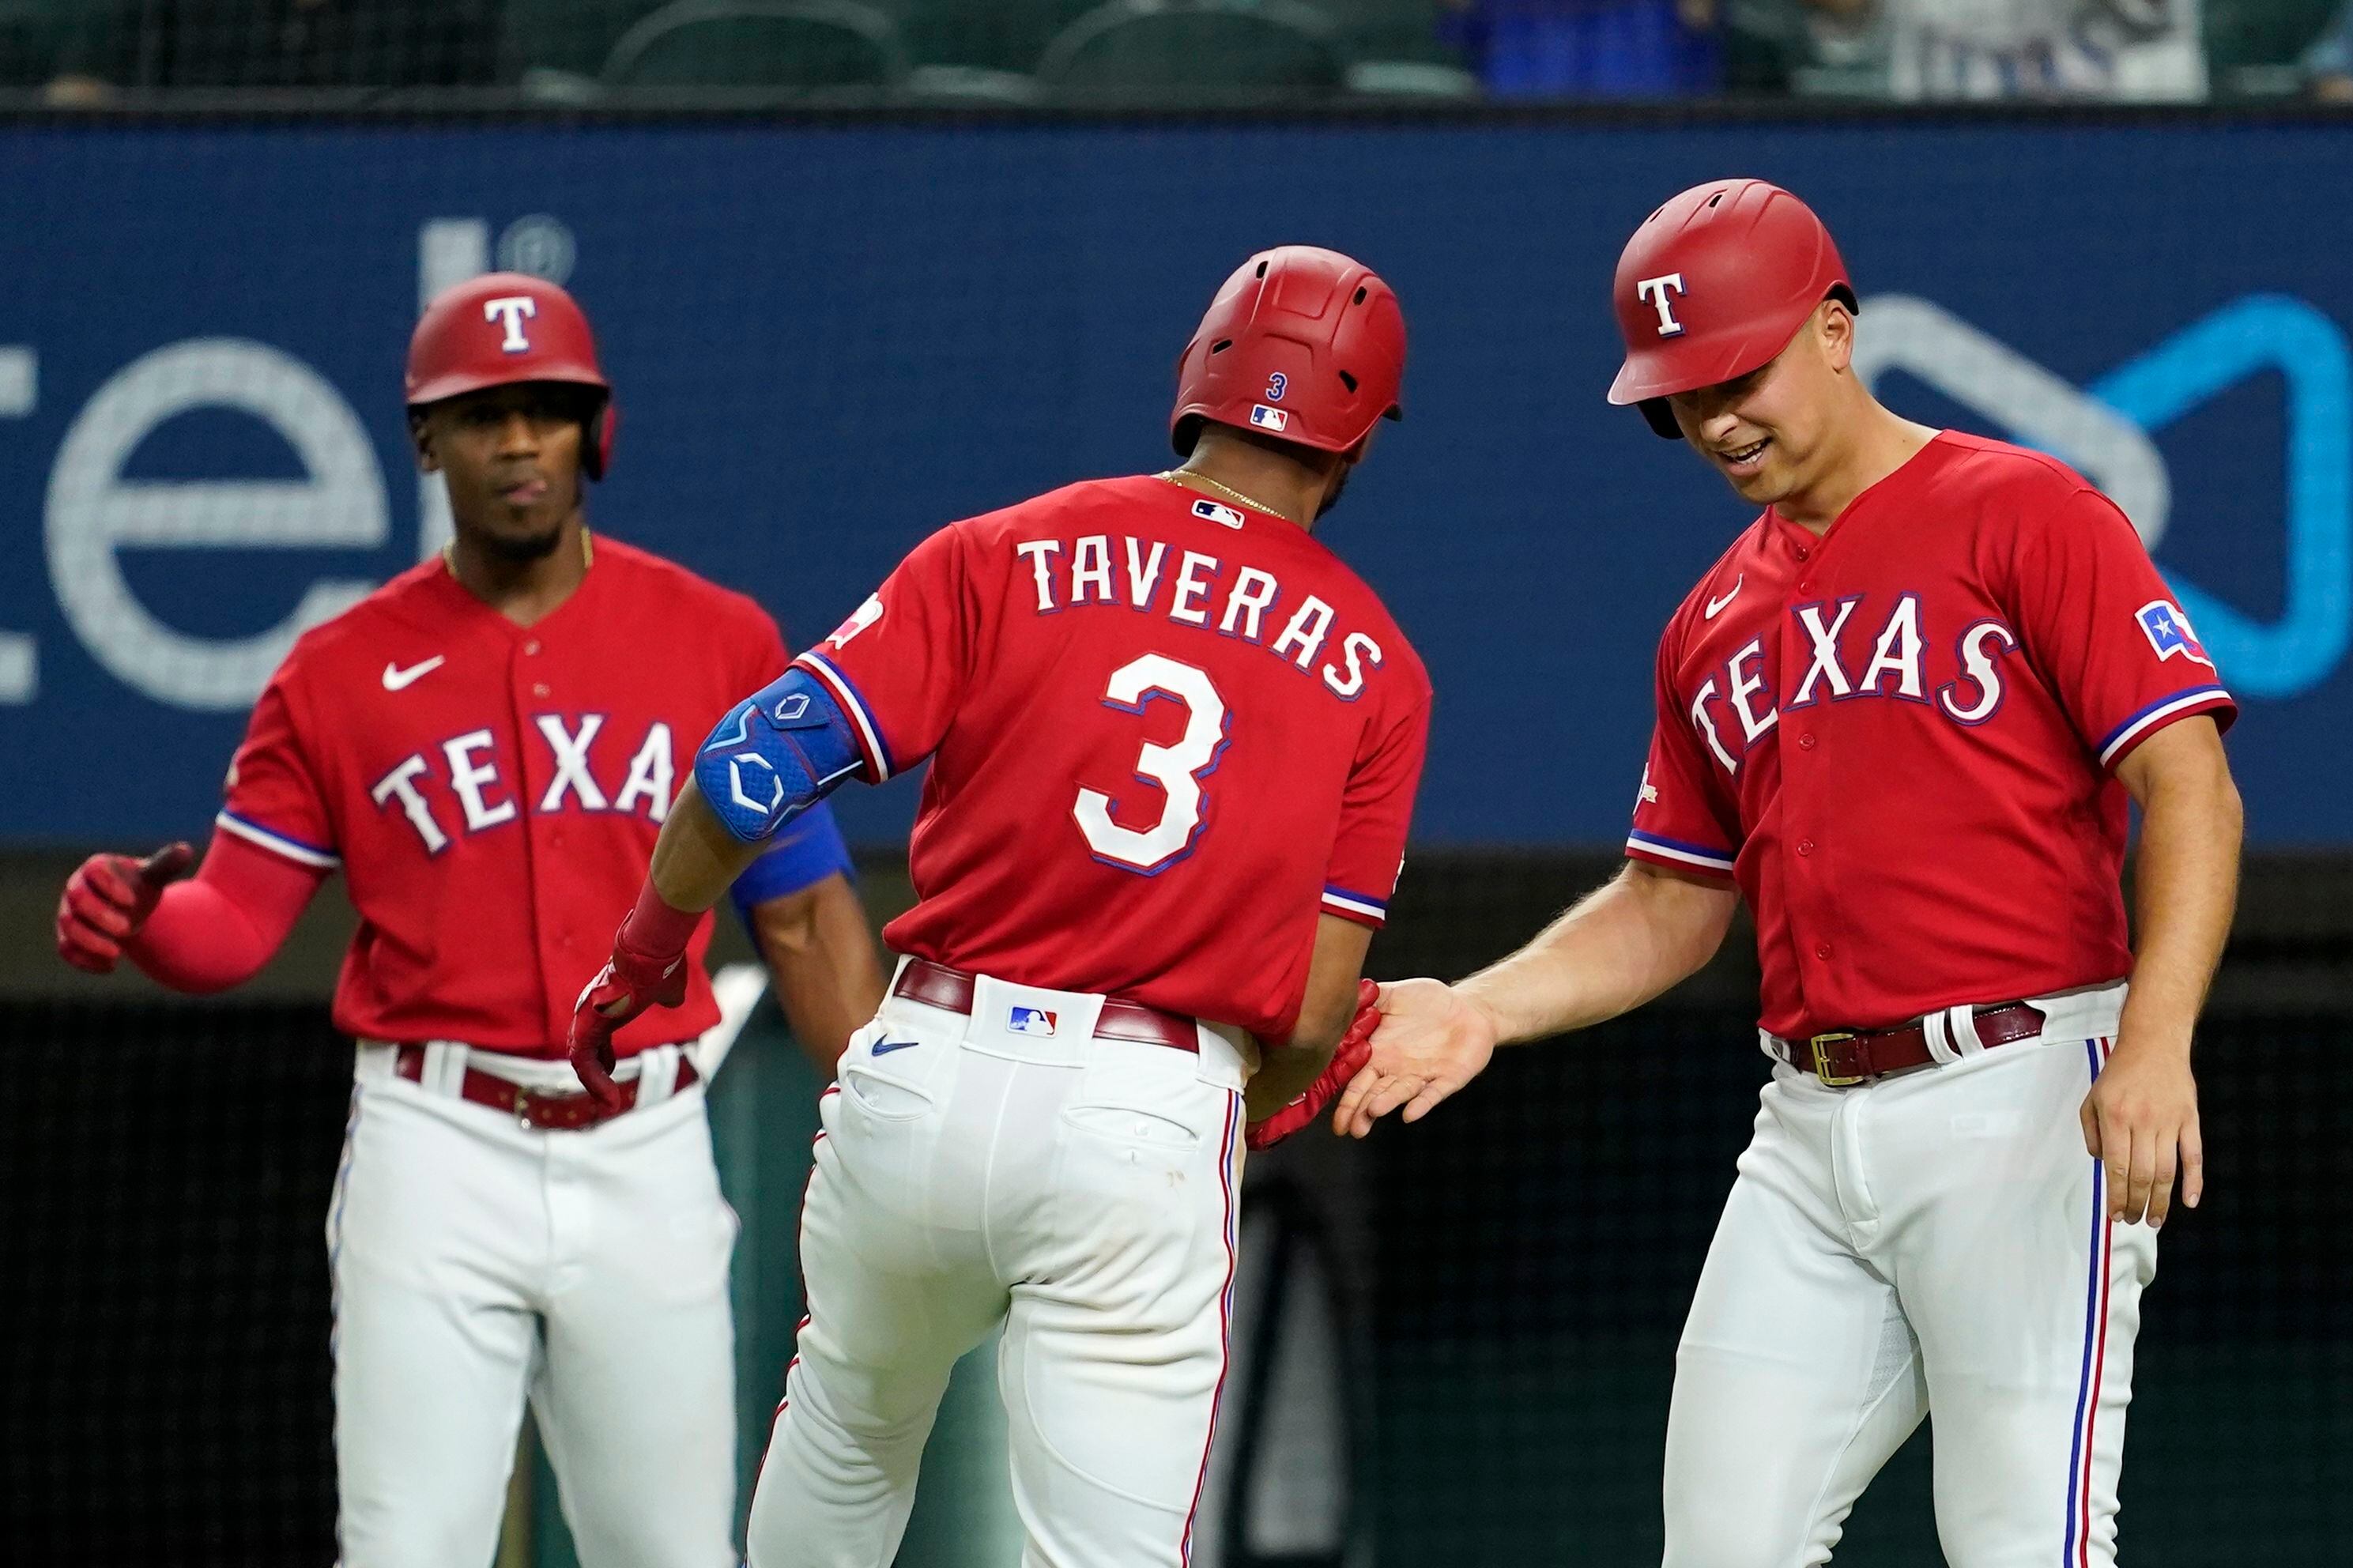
column 775, row 754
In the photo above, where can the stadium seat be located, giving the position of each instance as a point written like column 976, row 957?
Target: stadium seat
column 1197, row 46
column 564, row 38
column 1400, row 52
column 1387, row 30
column 1006, row 36
column 759, row 43
column 2252, row 46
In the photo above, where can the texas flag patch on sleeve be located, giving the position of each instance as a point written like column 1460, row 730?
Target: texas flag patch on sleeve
column 2169, row 632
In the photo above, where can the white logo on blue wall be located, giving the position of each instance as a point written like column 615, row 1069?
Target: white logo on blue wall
column 2104, row 429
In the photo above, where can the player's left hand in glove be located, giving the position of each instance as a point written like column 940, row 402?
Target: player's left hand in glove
column 1348, row 1058
column 647, row 969
column 108, row 899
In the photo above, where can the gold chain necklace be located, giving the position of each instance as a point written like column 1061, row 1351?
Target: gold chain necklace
column 587, row 553
column 1183, row 477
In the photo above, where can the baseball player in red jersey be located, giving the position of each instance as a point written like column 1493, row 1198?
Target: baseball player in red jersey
column 487, row 747
column 1174, row 745
column 1902, row 717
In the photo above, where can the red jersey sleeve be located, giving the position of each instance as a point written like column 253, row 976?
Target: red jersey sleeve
column 2097, row 620
column 760, row 654
column 1376, row 810
column 274, row 796
column 1682, row 817
column 899, row 665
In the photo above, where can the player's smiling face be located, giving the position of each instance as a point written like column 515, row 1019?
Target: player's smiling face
column 512, row 456
column 1765, row 431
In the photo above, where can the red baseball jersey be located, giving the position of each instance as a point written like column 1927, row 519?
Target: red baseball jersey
column 1900, row 738
column 1164, row 732
column 492, row 792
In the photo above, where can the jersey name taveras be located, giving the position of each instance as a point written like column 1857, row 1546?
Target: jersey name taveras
column 492, row 792
column 1901, row 737
column 1164, row 732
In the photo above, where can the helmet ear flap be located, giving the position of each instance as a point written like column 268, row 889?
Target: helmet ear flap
column 597, row 450
column 1661, row 416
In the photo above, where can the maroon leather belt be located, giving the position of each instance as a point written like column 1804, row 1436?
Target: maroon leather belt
column 1844, row 1059
column 535, row 1109
column 950, row 990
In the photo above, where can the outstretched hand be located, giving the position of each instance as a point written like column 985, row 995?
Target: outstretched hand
column 1431, row 1041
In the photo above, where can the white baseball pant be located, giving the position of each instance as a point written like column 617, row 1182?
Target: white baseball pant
column 1934, row 1241
column 478, row 1262
column 1081, row 1193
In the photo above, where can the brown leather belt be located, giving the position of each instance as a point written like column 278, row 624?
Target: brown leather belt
column 950, row 990
column 1844, row 1059
column 534, row 1108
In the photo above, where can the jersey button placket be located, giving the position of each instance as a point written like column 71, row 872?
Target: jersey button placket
column 541, row 836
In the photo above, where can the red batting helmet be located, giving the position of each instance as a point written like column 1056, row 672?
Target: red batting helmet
column 504, row 328
column 1301, row 344
column 1713, row 285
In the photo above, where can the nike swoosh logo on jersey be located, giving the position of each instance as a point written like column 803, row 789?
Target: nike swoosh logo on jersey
column 1715, row 606
column 399, row 680
column 882, row 1048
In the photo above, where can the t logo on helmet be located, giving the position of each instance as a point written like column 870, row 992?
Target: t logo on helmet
column 513, row 308
column 1652, row 291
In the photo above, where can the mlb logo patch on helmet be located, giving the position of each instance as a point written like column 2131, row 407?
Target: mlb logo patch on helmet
column 2169, row 632
column 1267, row 418
column 1219, row 514
column 1030, row 1021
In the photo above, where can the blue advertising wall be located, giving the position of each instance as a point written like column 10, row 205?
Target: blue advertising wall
column 828, row 340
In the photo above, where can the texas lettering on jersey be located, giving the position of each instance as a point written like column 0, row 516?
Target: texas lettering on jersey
column 1164, row 733
column 1900, row 737
column 1740, row 699
column 480, row 791
column 491, row 791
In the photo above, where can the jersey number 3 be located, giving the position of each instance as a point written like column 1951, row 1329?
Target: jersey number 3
column 1177, row 769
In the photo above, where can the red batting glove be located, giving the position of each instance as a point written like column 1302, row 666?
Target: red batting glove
column 1348, row 1058
column 108, row 899
column 647, row 969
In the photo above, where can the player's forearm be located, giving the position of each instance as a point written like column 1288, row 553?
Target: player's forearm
column 2186, row 888
column 696, row 859
column 1326, row 1007
column 821, row 953
column 216, row 931
column 1284, row 1073
column 1619, row 947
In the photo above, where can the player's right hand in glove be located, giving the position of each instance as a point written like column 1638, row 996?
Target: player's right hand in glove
column 1348, row 1058
column 647, row 969
column 108, row 899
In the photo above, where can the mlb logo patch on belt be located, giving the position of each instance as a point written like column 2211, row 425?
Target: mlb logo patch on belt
column 1030, row 1021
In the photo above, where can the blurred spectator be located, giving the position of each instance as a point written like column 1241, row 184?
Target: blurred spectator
column 2142, row 51
column 2331, row 60
column 1592, row 49
column 276, row 44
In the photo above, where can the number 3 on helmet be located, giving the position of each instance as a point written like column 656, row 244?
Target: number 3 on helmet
column 1303, row 344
